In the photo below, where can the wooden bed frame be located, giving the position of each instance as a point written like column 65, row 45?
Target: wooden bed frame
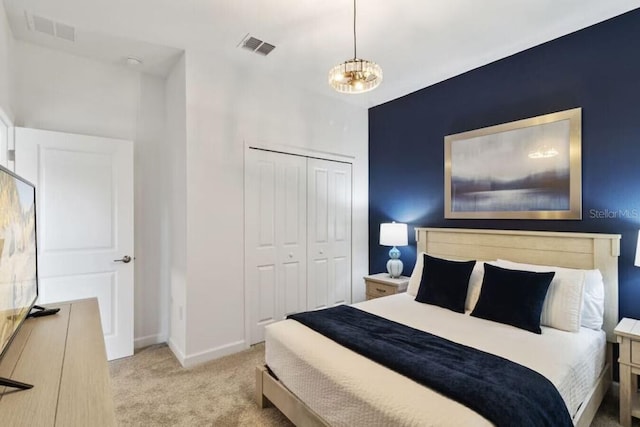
column 572, row 250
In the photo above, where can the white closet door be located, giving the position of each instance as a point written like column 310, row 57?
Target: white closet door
column 275, row 237
column 329, row 233
column 84, row 186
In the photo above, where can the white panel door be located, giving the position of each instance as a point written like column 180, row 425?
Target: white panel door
column 85, row 224
column 329, row 233
column 275, row 238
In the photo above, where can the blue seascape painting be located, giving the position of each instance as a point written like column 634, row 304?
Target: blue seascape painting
column 525, row 169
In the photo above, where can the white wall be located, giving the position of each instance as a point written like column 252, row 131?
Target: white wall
column 6, row 84
column 6, row 61
column 175, row 213
column 152, row 245
column 189, row 135
column 225, row 108
column 57, row 91
column 67, row 93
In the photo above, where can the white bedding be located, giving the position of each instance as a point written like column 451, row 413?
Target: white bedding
column 347, row 389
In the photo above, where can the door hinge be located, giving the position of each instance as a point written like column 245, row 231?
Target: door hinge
column 11, row 155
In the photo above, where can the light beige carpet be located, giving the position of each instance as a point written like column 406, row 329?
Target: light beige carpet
column 152, row 389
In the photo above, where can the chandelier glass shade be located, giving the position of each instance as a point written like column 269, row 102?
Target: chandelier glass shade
column 355, row 75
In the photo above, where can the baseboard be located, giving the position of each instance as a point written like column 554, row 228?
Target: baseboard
column 211, row 354
column 176, row 351
column 149, row 340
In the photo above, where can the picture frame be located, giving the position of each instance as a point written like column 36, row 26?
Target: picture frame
column 526, row 169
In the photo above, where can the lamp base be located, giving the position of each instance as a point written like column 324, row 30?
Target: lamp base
column 394, row 267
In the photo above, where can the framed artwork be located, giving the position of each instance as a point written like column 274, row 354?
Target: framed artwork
column 527, row 169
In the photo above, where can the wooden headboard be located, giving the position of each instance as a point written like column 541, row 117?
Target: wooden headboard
column 571, row 250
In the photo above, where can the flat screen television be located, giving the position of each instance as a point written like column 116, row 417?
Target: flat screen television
column 18, row 258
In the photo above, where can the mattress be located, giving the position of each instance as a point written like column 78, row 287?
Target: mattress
column 347, row 389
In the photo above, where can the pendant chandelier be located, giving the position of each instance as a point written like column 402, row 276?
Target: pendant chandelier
column 355, row 75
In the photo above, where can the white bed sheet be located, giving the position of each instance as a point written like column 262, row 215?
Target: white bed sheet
column 347, row 389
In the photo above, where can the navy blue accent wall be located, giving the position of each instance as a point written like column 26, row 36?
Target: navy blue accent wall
column 597, row 68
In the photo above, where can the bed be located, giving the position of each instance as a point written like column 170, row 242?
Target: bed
column 315, row 381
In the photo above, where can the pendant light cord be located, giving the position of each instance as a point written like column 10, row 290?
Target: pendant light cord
column 355, row 56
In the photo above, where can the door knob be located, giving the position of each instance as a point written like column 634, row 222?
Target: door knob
column 126, row 259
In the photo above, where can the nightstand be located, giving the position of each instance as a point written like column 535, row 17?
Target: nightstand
column 628, row 333
column 380, row 285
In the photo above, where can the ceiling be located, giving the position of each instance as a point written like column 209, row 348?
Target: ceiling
column 416, row 42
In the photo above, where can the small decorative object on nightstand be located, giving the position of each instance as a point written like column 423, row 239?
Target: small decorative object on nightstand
column 394, row 234
column 380, row 285
column 628, row 333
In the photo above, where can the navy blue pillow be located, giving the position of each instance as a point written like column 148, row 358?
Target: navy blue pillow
column 444, row 283
column 513, row 297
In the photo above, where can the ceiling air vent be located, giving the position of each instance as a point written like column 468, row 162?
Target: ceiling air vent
column 43, row 25
column 265, row 48
column 66, row 32
column 256, row 45
column 49, row 27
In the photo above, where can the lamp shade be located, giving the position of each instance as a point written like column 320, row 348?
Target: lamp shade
column 393, row 234
column 637, row 261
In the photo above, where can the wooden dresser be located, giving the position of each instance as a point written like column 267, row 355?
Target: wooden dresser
column 64, row 357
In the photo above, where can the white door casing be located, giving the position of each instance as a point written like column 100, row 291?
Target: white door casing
column 5, row 143
column 275, row 238
column 84, row 187
column 329, row 233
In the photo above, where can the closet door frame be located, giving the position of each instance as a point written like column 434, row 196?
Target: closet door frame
column 296, row 151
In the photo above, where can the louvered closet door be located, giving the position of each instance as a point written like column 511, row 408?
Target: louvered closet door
column 275, row 237
column 329, row 233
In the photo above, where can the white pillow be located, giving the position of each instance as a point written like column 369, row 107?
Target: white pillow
column 593, row 305
column 562, row 307
column 475, row 284
column 593, row 302
column 416, row 275
column 475, row 281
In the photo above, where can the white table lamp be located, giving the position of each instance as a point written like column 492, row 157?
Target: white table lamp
column 637, row 261
column 394, row 234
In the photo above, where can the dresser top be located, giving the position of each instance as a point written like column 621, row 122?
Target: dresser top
column 628, row 328
column 384, row 278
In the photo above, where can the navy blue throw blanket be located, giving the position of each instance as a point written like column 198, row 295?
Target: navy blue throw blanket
column 504, row 392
